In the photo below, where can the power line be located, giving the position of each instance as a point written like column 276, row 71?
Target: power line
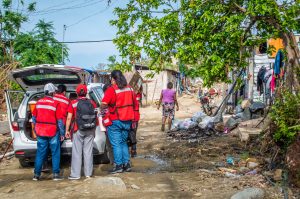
column 68, row 42
column 87, row 17
column 76, row 42
column 58, row 5
column 77, row 6
column 94, row 14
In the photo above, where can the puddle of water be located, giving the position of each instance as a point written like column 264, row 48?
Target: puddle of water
column 160, row 164
column 149, row 164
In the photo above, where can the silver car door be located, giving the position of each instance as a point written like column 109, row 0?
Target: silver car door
column 13, row 100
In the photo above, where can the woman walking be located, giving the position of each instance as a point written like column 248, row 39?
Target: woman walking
column 120, row 100
column 168, row 99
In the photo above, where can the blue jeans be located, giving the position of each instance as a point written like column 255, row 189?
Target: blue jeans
column 118, row 136
column 43, row 145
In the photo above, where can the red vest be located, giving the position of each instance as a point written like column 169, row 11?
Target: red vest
column 46, row 117
column 124, row 107
column 138, row 96
column 64, row 104
column 106, row 121
column 136, row 109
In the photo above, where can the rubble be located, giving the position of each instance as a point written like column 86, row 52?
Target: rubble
column 245, row 104
column 293, row 161
column 133, row 186
column 189, row 134
column 252, row 165
column 231, row 123
column 277, row 175
column 249, row 193
column 246, row 132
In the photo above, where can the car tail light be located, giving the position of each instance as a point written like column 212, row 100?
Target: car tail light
column 15, row 126
column 20, row 153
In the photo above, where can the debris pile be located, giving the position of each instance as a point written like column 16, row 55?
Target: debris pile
column 200, row 125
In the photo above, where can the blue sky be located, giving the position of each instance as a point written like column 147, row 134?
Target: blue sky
column 95, row 16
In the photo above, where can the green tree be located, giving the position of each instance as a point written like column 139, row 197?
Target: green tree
column 11, row 19
column 22, row 49
column 112, row 62
column 12, row 15
column 39, row 46
column 214, row 37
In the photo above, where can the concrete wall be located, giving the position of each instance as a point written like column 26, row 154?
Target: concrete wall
column 153, row 86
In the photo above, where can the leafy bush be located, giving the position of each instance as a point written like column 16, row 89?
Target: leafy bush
column 285, row 114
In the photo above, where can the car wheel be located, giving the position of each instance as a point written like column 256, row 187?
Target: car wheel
column 25, row 163
column 102, row 158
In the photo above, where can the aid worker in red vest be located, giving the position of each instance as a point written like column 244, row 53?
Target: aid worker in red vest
column 120, row 99
column 60, row 97
column 82, row 143
column 47, row 119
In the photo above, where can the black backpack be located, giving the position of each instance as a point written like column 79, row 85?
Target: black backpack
column 85, row 115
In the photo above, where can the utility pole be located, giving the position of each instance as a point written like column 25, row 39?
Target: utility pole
column 62, row 47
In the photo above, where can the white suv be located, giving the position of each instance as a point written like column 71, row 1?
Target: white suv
column 32, row 80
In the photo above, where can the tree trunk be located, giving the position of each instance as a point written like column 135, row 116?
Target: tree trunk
column 293, row 65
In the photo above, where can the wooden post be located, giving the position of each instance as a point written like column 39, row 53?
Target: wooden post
column 154, row 90
column 251, row 79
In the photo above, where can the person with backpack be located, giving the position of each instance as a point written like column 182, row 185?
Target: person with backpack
column 120, row 99
column 82, row 113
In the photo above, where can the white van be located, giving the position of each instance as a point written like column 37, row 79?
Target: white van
column 32, row 80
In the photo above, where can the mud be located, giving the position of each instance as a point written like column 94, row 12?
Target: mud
column 164, row 168
column 4, row 143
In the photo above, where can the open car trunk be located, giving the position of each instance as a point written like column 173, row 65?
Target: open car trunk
column 34, row 78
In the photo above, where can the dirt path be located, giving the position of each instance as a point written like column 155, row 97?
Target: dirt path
column 163, row 169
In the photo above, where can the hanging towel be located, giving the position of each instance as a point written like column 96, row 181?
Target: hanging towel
column 278, row 62
column 273, row 83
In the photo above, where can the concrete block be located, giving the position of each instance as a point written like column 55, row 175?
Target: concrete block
column 246, row 132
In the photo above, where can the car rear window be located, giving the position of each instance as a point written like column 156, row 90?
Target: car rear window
column 54, row 78
column 50, row 77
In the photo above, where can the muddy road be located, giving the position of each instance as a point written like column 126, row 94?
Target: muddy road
column 164, row 168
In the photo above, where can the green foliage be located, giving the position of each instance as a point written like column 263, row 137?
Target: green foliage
column 15, row 86
column 28, row 48
column 212, row 37
column 39, row 46
column 11, row 20
column 112, row 62
column 286, row 116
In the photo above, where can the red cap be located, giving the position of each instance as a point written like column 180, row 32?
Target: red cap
column 81, row 87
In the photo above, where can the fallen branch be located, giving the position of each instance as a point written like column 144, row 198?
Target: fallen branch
column 9, row 154
column 6, row 150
